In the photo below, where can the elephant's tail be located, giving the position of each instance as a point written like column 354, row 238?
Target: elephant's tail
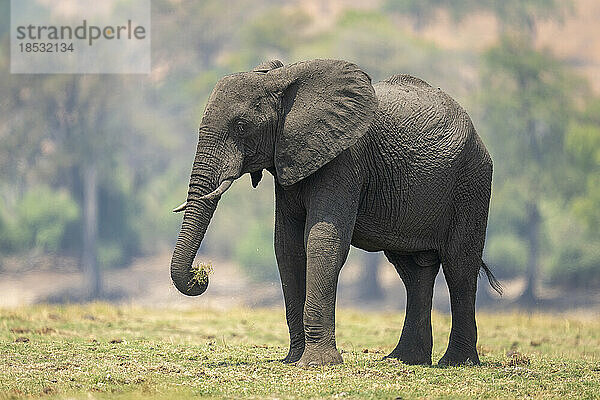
column 494, row 283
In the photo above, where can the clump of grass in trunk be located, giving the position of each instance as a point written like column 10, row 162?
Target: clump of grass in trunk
column 200, row 273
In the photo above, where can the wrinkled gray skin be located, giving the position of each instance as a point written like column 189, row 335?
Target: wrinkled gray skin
column 396, row 166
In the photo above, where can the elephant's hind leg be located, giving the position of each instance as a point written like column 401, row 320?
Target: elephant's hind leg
column 461, row 262
column 462, row 284
column 415, row 344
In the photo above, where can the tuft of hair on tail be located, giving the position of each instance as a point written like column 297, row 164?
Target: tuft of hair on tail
column 494, row 283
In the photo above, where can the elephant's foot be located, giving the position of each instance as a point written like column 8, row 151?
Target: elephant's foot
column 454, row 357
column 411, row 355
column 293, row 355
column 314, row 357
column 414, row 346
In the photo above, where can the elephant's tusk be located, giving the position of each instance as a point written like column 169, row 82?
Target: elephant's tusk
column 218, row 191
column 181, row 208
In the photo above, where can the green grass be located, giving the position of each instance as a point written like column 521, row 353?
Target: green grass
column 101, row 351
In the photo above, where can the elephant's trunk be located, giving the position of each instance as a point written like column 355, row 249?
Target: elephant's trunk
column 198, row 212
column 195, row 222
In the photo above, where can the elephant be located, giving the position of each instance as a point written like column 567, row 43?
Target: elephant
column 395, row 166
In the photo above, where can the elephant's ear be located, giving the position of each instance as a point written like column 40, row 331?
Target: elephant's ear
column 328, row 105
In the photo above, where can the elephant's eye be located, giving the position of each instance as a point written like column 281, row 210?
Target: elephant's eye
column 240, row 127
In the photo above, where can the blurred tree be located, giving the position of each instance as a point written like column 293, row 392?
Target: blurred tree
column 526, row 104
column 274, row 34
column 369, row 285
column 576, row 236
column 519, row 15
column 370, row 39
column 424, row 11
column 583, row 144
column 70, row 132
column 78, row 110
column 522, row 15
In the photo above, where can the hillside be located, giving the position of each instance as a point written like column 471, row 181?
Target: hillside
column 575, row 39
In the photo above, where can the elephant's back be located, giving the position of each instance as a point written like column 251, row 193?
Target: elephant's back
column 414, row 151
column 421, row 118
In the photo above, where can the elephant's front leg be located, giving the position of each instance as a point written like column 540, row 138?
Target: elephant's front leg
column 291, row 261
column 328, row 233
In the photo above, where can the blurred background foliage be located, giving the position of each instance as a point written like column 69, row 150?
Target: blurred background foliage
column 90, row 166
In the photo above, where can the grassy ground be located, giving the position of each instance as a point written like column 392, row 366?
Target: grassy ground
column 100, row 351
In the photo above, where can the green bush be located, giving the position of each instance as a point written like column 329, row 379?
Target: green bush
column 574, row 249
column 156, row 222
column 576, row 265
column 255, row 254
column 6, row 232
column 38, row 221
column 111, row 255
column 507, row 254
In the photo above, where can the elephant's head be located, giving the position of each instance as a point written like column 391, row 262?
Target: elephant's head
column 290, row 119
